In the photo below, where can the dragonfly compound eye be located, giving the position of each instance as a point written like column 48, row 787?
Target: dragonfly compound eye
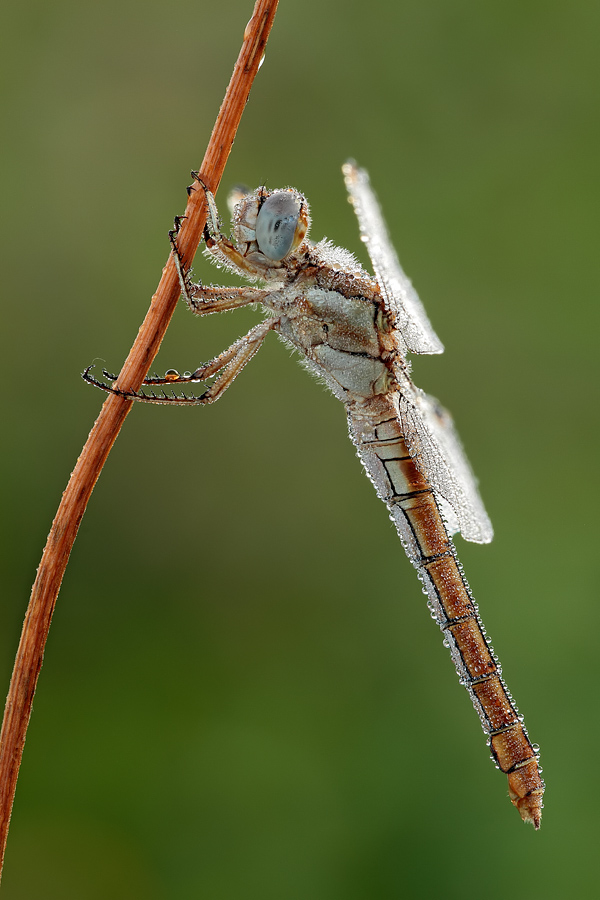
column 281, row 224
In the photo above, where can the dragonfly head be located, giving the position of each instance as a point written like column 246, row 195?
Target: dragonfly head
column 274, row 222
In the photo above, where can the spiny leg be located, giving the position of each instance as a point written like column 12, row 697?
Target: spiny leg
column 215, row 238
column 248, row 346
column 183, row 276
column 213, row 223
column 202, row 300
column 230, row 363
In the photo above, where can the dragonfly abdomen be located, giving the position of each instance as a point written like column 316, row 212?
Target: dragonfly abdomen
column 426, row 539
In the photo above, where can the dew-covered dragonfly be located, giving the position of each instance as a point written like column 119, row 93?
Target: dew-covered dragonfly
column 355, row 332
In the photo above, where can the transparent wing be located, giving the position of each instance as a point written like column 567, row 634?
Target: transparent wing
column 399, row 294
column 436, row 448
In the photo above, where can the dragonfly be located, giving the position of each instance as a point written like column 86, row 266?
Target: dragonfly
column 355, row 333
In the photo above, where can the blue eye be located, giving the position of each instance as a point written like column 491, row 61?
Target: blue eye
column 276, row 225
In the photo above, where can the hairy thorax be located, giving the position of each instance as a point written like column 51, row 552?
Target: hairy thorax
column 336, row 319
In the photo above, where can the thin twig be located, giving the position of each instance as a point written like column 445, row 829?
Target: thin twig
column 114, row 411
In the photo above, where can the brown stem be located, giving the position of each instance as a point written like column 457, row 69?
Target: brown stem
column 112, row 415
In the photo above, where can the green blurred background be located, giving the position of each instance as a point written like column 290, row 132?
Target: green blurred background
column 243, row 695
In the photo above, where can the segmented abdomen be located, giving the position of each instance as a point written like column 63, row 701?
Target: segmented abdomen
column 377, row 434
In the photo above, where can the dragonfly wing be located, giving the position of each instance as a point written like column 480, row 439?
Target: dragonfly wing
column 400, row 296
column 433, row 443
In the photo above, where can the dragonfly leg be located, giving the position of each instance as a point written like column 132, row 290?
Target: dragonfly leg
column 244, row 350
column 214, row 237
column 202, row 300
column 229, row 364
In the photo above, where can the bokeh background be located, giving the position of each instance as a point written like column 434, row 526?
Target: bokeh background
column 243, row 695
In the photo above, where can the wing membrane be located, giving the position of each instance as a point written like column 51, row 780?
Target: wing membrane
column 398, row 292
column 435, row 446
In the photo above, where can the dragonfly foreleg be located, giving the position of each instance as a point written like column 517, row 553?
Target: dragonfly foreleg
column 202, row 300
column 215, row 240
column 229, row 364
column 213, row 224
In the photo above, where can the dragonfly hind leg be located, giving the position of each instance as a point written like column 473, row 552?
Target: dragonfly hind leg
column 229, row 364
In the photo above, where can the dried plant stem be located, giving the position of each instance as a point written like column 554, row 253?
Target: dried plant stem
column 106, row 428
